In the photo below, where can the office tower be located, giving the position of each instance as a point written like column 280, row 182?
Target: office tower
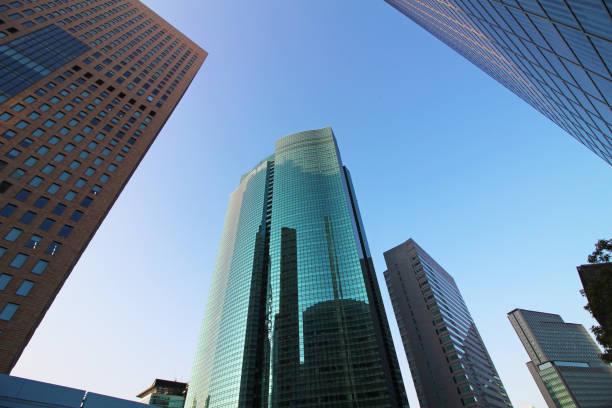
column 294, row 316
column 448, row 360
column 85, row 87
column 16, row 392
column 565, row 361
column 164, row 393
column 554, row 54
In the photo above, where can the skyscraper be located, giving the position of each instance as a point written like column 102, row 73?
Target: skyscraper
column 565, row 361
column 294, row 316
column 554, row 54
column 85, row 87
column 448, row 360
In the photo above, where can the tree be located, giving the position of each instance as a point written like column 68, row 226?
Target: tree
column 599, row 299
column 602, row 253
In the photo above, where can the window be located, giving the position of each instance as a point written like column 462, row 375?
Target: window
column 41, row 202
column 33, row 241
column 26, row 142
column 69, row 147
column 64, row 176
column 42, row 150
column 22, row 195
column 40, row 267
column 4, row 280
column 27, row 217
column 34, row 115
column 30, row 161
column 59, row 157
column 18, row 173
column 47, row 224
column 112, row 167
column 75, row 164
column 90, row 171
column 76, row 215
column 53, row 188
column 70, row 195
column 38, row 132
column 7, row 210
column 48, row 168
column 36, row 181
column 59, row 209
column 19, row 260
column 53, row 248
column 80, row 183
column 104, row 178
column 5, row 116
column 25, row 288
column 18, row 107
column 13, row 153
column 8, row 311
column 98, row 161
column 65, row 231
column 54, row 140
column 86, row 202
column 22, row 124
column 13, row 234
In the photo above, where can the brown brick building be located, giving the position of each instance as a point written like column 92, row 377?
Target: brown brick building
column 85, row 87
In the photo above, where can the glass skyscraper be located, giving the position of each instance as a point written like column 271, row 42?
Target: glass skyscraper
column 85, row 87
column 449, row 362
column 294, row 316
column 554, row 54
column 565, row 362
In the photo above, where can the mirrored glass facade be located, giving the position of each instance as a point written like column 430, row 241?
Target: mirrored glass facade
column 565, row 362
column 448, row 360
column 556, row 55
column 294, row 316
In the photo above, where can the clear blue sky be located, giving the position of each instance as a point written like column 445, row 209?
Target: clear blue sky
column 501, row 197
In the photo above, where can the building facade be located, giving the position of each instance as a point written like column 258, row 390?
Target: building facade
column 16, row 392
column 294, row 316
column 565, row 362
column 85, row 87
column 164, row 393
column 554, row 54
column 448, row 360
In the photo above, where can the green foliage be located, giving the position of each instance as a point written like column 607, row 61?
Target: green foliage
column 602, row 253
column 600, row 299
column 600, row 295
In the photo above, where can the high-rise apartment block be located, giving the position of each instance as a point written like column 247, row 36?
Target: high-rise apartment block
column 294, row 316
column 554, row 54
column 448, row 360
column 85, row 87
column 565, row 362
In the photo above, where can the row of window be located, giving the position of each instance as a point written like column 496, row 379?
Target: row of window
column 23, row 290
column 39, row 267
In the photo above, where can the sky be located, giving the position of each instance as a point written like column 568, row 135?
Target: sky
column 501, row 197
